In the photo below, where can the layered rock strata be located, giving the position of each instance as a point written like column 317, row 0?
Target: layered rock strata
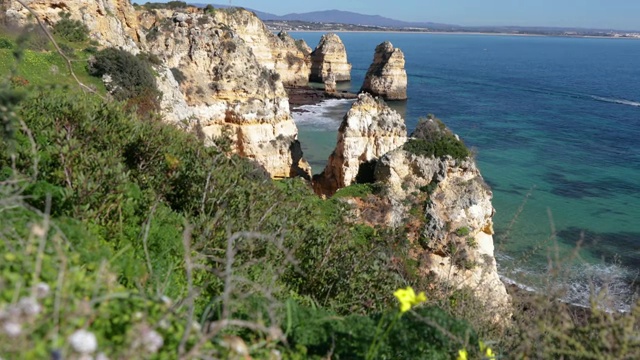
column 369, row 130
column 212, row 80
column 110, row 22
column 330, row 58
column 387, row 76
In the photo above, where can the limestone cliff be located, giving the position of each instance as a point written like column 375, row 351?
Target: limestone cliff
column 369, row 130
column 213, row 80
column 386, row 76
column 455, row 242
column 330, row 57
column 110, row 22
column 281, row 53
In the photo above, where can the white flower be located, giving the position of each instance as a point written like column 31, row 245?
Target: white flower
column 83, row 341
column 149, row 340
column 153, row 341
column 42, row 290
column 101, row 356
column 29, row 306
column 11, row 328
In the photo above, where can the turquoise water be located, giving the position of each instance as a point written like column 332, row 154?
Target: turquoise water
column 556, row 126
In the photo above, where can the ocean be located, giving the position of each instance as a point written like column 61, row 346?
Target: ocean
column 555, row 123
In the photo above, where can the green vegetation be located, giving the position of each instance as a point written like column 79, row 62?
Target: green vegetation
column 356, row 191
column 432, row 139
column 463, row 231
column 445, row 146
column 71, row 30
column 172, row 5
column 130, row 75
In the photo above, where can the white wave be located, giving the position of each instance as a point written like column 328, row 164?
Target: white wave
column 607, row 286
column 617, row 101
column 326, row 114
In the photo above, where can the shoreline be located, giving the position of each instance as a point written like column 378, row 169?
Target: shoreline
column 462, row 33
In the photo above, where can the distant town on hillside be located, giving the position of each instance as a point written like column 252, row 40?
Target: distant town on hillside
column 336, row 20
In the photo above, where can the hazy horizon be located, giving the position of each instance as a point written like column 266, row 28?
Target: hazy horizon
column 592, row 14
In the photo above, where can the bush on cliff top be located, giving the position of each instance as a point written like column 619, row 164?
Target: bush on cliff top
column 432, row 138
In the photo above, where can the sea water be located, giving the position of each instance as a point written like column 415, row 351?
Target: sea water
column 555, row 123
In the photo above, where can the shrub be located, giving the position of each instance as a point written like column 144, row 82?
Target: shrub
column 168, row 5
column 432, row 138
column 131, row 76
column 6, row 43
column 209, row 9
column 71, row 30
column 463, row 231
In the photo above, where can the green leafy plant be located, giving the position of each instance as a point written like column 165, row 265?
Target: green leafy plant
column 71, row 30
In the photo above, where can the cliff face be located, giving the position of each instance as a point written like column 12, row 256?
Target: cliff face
column 330, row 57
column 386, row 76
column 213, row 80
column 110, row 22
column 280, row 53
column 442, row 202
column 455, row 241
column 369, row 130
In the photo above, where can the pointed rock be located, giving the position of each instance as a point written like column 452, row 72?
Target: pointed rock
column 386, row 76
column 330, row 57
column 369, row 130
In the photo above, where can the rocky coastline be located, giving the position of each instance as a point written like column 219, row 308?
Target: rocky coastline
column 227, row 75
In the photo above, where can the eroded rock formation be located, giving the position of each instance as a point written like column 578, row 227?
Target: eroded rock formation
column 288, row 57
column 110, row 22
column 330, row 57
column 387, row 76
column 213, row 80
column 455, row 242
column 369, row 130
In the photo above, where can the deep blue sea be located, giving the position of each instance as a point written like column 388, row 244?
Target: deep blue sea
column 556, row 126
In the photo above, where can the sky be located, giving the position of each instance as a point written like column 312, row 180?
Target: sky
column 605, row 14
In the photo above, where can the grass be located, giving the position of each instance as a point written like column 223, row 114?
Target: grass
column 47, row 68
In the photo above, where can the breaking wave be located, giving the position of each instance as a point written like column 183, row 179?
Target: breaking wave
column 609, row 287
column 325, row 115
column 617, row 101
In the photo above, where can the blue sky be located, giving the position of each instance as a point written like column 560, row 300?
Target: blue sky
column 618, row 14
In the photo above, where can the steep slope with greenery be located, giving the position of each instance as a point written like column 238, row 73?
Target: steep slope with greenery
column 124, row 237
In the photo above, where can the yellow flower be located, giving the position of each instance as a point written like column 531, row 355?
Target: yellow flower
column 462, row 354
column 408, row 298
column 486, row 351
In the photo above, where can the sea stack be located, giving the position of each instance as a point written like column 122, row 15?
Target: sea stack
column 368, row 131
column 330, row 57
column 386, row 76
